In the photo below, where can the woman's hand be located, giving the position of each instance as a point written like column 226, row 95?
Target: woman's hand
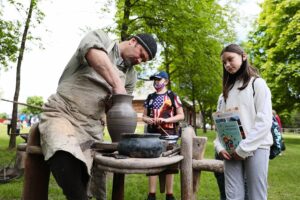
column 236, row 156
column 225, row 155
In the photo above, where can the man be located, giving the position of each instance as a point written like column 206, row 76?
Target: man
column 72, row 119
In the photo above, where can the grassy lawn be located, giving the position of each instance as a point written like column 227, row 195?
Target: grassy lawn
column 283, row 180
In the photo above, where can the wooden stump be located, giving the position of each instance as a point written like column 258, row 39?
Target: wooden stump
column 186, row 175
column 37, row 173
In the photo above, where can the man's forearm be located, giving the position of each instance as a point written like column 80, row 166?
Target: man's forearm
column 100, row 62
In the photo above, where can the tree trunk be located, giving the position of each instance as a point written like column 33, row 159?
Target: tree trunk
column 12, row 141
column 125, row 23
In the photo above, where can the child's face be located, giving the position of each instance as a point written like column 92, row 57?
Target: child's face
column 232, row 62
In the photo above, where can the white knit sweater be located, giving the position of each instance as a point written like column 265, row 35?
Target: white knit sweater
column 255, row 113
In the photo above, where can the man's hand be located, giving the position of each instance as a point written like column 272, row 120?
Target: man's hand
column 120, row 90
column 101, row 63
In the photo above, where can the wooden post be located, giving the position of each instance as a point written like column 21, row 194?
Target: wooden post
column 186, row 175
column 118, row 186
column 162, row 182
column 36, row 175
column 199, row 144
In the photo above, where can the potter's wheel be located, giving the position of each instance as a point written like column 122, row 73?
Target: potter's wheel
column 105, row 146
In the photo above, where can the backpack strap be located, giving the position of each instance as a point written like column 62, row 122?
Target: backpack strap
column 171, row 95
column 150, row 96
column 254, row 91
column 253, row 86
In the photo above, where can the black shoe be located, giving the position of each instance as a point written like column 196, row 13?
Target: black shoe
column 170, row 197
column 151, row 197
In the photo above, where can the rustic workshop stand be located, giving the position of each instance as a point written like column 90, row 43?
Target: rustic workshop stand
column 191, row 161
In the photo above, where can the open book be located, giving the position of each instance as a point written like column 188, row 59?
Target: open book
column 229, row 128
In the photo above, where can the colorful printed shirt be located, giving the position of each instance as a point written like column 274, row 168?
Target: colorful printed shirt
column 160, row 106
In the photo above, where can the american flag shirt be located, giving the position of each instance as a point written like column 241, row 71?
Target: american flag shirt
column 160, row 106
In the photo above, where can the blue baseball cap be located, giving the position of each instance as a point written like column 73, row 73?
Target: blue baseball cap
column 160, row 75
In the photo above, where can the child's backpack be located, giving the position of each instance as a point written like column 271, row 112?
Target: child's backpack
column 276, row 147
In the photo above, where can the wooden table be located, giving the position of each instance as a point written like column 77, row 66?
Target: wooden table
column 120, row 167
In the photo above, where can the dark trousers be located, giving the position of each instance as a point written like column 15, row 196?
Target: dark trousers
column 220, row 181
column 8, row 129
column 70, row 174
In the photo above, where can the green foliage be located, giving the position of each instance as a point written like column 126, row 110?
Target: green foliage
column 3, row 115
column 275, row 49
column 35, row 102
column 191, row 35
column 9, row 40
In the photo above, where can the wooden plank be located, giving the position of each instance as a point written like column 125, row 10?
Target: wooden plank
column 132, row 171
column 210, row 165
column 199, row 144
column 136, row 163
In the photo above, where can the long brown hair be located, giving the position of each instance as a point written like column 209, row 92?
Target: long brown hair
column 245, row 72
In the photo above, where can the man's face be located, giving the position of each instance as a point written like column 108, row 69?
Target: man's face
column 134, row 53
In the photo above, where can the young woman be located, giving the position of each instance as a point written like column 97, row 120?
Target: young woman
column 249, row 162
column 162, row 110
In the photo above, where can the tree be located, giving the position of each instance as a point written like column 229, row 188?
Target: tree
column 275, row 48
column 39, row 16
column 34, row 105
column 191, row 34
column 9, row 40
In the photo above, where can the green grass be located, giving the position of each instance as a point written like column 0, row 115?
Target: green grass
column 283, row 178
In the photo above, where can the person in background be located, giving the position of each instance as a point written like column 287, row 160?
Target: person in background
column 281, row 130
column 8, row 124
column 277, row 119
column 162, row 110
column 73, row 118
column 19, row 127
column 250, row 160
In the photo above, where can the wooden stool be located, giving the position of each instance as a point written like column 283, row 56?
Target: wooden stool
column 37, row 172
column 120, row 167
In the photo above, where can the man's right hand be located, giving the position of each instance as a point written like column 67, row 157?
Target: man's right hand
column 120, row 90
column 101, row 63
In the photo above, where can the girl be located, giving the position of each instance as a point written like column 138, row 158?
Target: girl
column 249, row 162
column 161, row 115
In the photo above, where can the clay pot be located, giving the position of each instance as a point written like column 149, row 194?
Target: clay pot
column 121, row 118
column 140, row 145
